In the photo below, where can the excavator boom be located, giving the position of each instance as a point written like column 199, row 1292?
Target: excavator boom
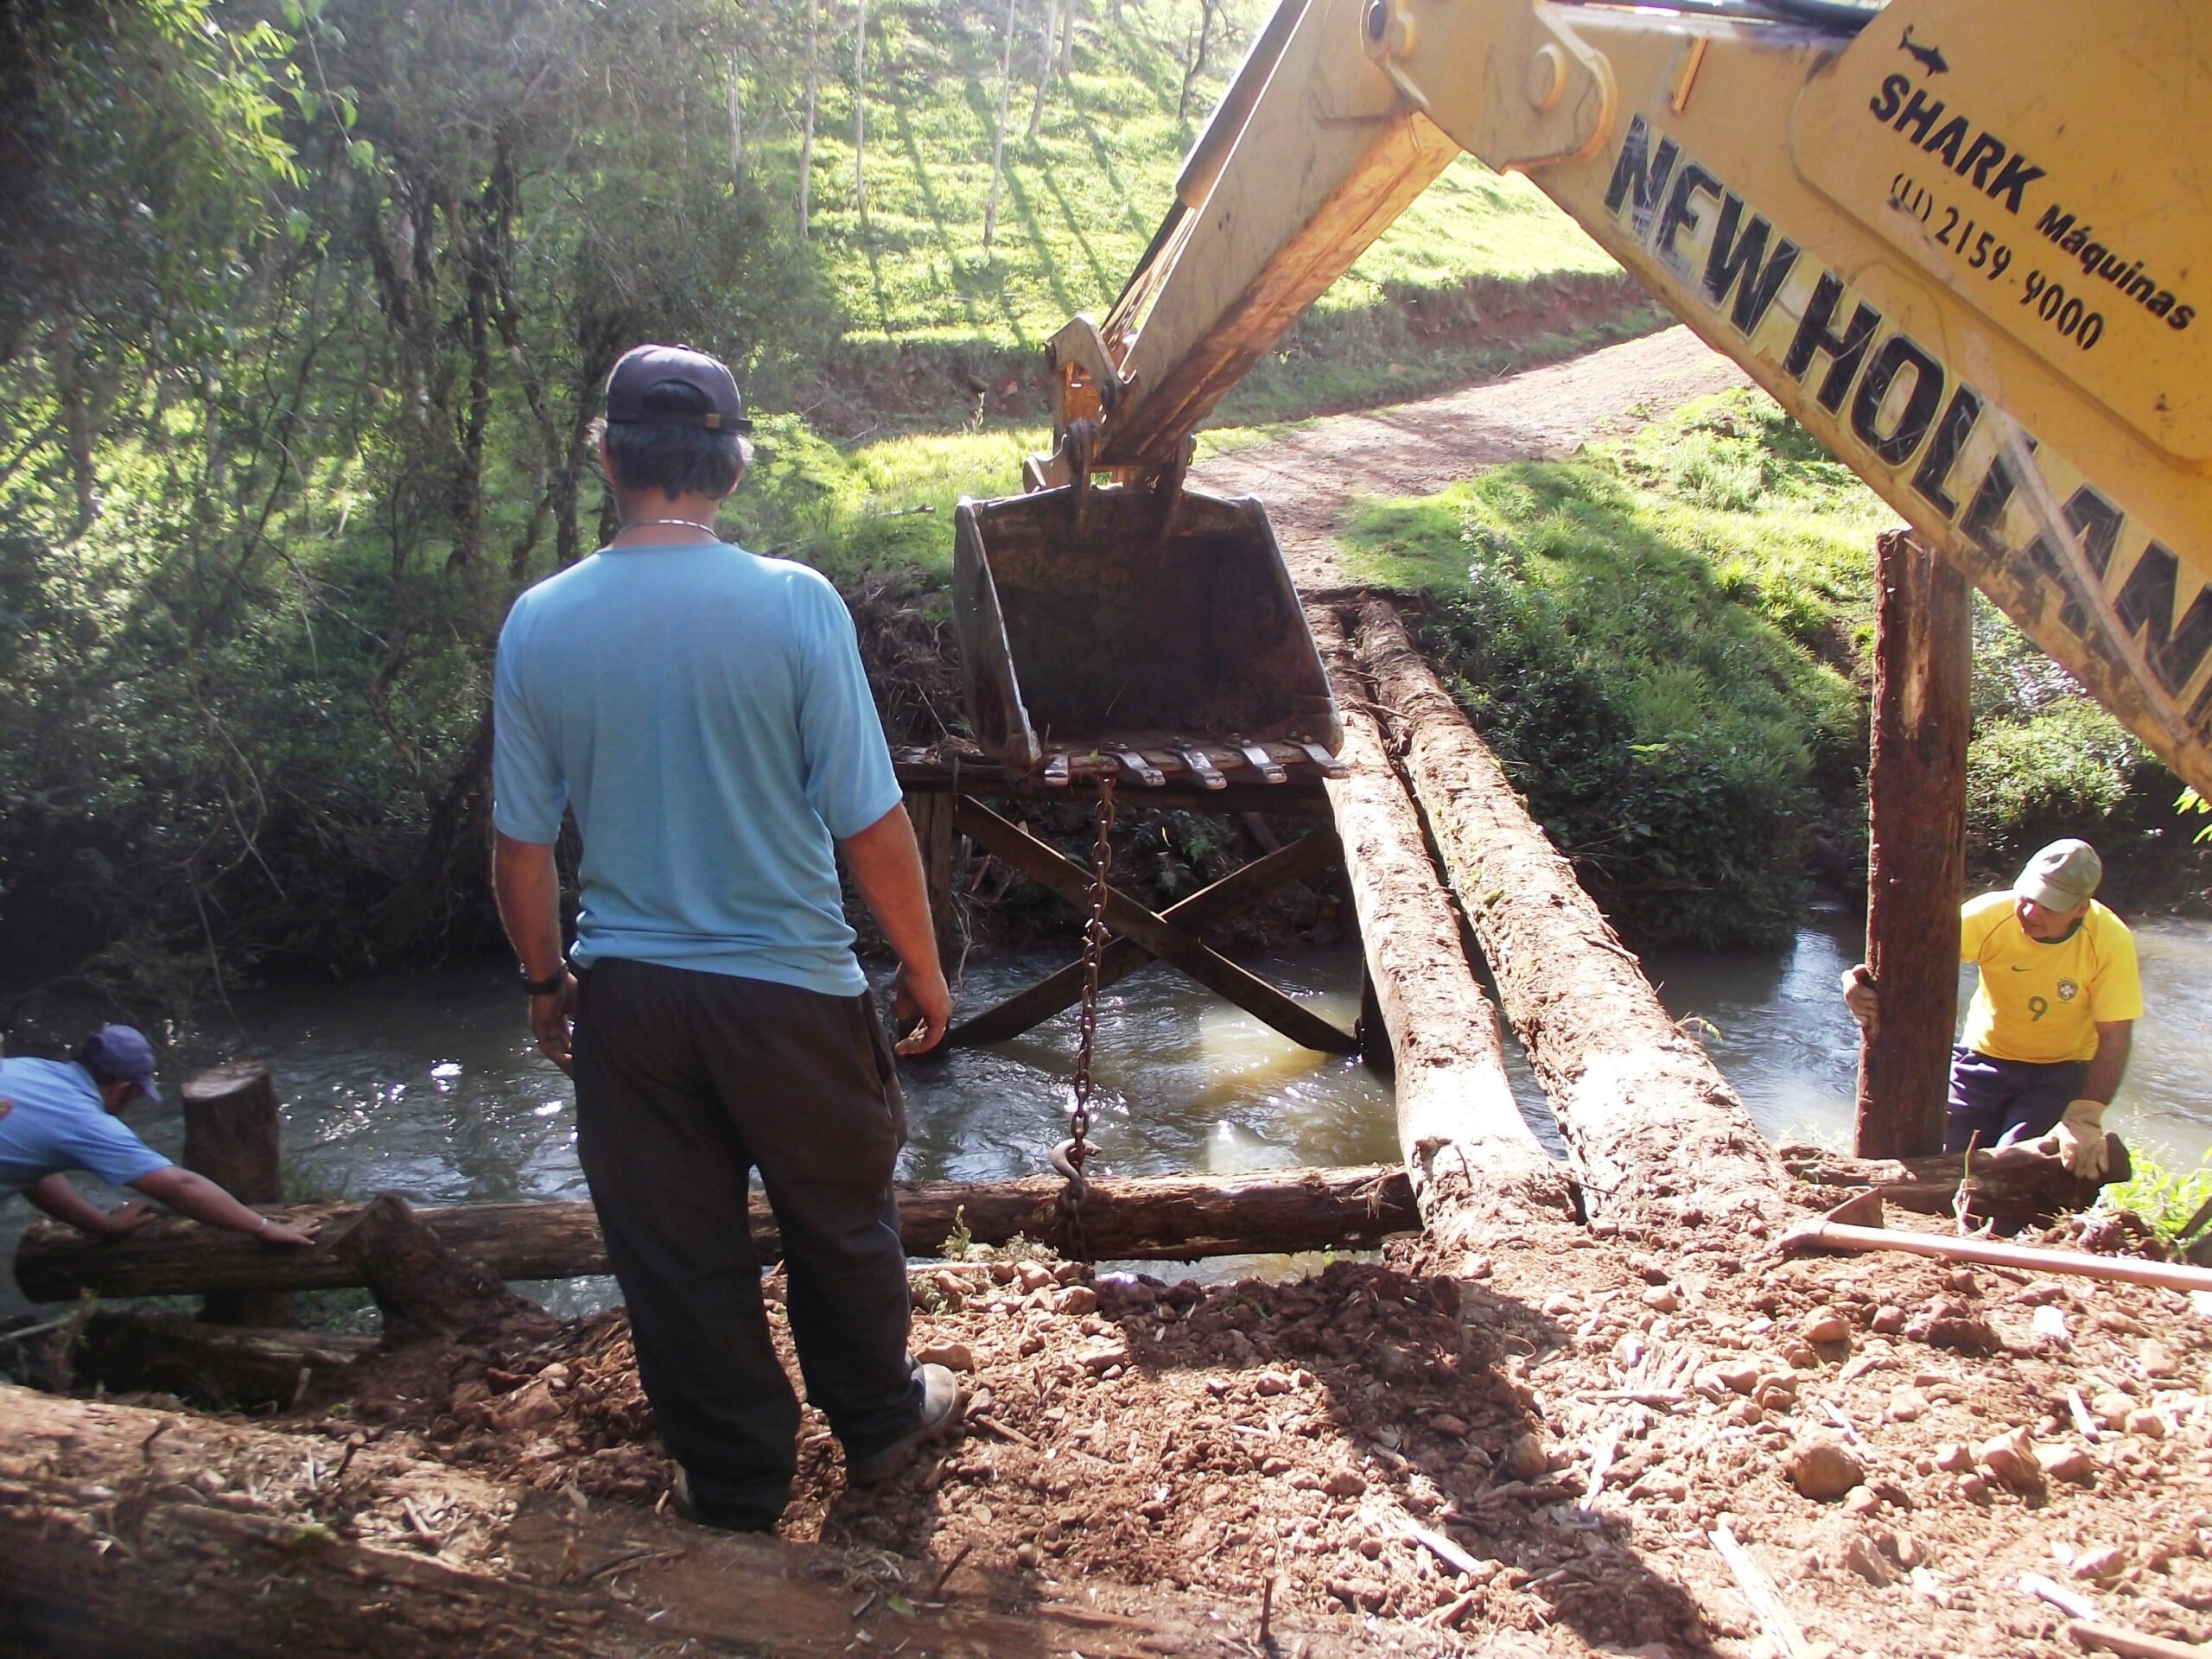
column 1970, row 248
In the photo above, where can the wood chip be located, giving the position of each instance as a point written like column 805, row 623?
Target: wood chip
column 1781, row 1629
column 2132, row 1644
column 2071, row 1603
column 1438, row 1544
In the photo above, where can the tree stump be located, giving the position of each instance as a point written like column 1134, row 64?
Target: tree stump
column 230, row 1137
column 426, row 1290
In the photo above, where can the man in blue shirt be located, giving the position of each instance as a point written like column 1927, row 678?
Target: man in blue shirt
column 703, row 713
column 62, row 1115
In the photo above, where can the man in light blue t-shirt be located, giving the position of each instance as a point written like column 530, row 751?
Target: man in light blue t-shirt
column 703, row 714
column 57, row 1115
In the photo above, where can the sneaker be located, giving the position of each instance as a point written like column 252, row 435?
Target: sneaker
column 941, row 1403
column 687, row 1508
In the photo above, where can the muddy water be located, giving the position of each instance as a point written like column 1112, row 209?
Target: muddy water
column 1786, row 1044
column 428, row 1085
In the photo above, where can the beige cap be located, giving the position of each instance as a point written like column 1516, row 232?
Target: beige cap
column 2063, row 874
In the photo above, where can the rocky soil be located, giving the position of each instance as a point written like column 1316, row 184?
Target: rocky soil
column 1539, row 1452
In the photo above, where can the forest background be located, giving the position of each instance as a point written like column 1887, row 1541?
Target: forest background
column 305, row 306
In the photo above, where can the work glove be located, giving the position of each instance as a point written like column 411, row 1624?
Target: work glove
column 2081, row 1138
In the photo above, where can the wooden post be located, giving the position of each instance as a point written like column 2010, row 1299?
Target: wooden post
column 229, row 1136
column 932, row 811
column 1916, row 877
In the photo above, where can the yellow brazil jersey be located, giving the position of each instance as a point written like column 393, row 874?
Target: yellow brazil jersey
column 2040, row 1002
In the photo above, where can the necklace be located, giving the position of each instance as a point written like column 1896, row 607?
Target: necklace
column 686, row 523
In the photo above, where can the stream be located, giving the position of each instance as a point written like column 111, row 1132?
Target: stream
column 428, row 1084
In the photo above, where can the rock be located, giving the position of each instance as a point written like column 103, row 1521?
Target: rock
column 2157, row 1360
column 1104, row 1358
column 2099, row 1566
column 2064, row 1461
column 1272, row 1383
column 2147, row 1424
column 2011, row 1459
column 1027, row 1555
column 953, row 1356
column 1035, row 1275
column 1826, row 1326
column 1863, row 1502
column 1525, row 1459
column 1823, row 1468
column 2047, row 1323
column 1741, row 1375
column 526, row 1408
column 2110, row 1407
column 1345, row 1482
column 1862, row 1558
column 1889, row 1319
column 1907, row 1406
column 1662, row 1299
column 1974, row 1488
column 1075, row 1299
column 1962, row 1280
column 1448, row 1425
column 1802, row 1354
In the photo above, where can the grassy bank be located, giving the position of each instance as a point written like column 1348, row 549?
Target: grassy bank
column 1665, row 640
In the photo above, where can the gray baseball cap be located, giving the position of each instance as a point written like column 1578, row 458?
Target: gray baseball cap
column 120, row 1054
column 2063, row 874
column 638, row 390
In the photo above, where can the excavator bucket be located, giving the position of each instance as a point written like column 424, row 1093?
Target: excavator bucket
column 1153, row 635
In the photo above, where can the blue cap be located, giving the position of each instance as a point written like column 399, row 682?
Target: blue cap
column 121, row 1054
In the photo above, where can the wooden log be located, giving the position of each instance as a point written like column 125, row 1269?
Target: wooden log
column 1047, row 865
column 1167, row 1217
column 1916, row 877
column 1477, row 1168
column 223, row 1365
column 2015, row 1187
column 309, row 1548
column 1645, row 1114
column 230, row 1137
column 1061, row 990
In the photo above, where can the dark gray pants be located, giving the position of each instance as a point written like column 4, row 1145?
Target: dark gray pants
column 685, row 1082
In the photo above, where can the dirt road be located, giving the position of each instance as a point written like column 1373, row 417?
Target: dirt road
column 1311, row 477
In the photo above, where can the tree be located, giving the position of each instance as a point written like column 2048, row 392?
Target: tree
column 1196, row 64
column 998, row 143
column 806, row 119
column 1043, row 70
column 860, row 109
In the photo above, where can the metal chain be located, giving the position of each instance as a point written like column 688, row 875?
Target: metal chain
column 1068, row 1157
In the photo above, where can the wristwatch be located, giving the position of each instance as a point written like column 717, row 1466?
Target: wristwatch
column 549, row 984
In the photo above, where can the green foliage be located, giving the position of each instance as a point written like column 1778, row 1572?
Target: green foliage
column 2165, row 1198
column 2065, row 764
column 2190, row 801
column 1626, row 632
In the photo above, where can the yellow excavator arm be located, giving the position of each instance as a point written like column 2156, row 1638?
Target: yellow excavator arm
column 1969, row 246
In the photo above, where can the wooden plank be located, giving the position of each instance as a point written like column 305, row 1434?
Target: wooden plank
column 1916, row 877
column 1164, row 1218
column 1646, row 1115
column 1048, row 865
column 1063, row 989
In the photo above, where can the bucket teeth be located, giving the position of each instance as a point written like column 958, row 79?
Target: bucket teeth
column 1140, row 769
column 1200, row 765
column 1257, row 757
column 1329, row 765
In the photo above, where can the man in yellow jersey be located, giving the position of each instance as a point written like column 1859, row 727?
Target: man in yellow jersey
column 2047, row 1036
